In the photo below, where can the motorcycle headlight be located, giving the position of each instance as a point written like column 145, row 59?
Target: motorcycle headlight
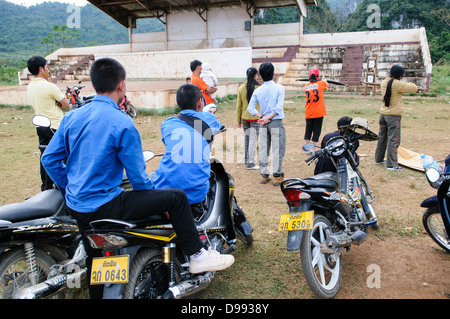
column 336, row 146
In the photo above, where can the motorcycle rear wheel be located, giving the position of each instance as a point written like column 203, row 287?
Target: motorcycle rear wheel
column 148, row 278
column 322, row 274
column 14, row 271
column 433, row 224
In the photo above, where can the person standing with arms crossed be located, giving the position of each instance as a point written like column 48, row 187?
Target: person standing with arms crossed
column 314, row 107
column 270, row 97
column 391, row 111
column 46, row 99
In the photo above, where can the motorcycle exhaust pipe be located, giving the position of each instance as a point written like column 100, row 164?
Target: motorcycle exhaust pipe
column 336, row 241
column 189, row 287
column 50, row 286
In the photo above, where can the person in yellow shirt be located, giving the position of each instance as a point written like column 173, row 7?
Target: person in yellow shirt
column 46, row 99
column 248, row 122
column 391, row 111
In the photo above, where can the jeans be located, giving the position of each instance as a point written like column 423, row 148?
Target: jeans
column 272, row 135
column 251, row 133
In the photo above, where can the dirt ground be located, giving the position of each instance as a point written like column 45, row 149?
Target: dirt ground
column 408, row 267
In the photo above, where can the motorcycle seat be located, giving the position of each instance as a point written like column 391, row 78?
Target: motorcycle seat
column 329, row 180
column 41, row 205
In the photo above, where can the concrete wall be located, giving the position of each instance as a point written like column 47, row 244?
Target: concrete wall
column 226, row 63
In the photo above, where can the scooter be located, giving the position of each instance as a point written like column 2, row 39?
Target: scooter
column 142, row 260
column 436, row 218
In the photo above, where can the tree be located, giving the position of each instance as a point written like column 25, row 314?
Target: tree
column 60, row 37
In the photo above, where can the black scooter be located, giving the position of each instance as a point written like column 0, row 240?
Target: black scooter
column 436, row 218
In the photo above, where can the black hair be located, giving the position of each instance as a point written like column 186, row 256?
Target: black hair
column 106, row 74
column 195, row 64
column 251, row 82
column 313, row 78
column 34, row 63
column 397, row 73
column 266, row 71
column 188, row 96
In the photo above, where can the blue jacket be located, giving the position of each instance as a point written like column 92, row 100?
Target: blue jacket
column 98, row 141
column 185, row 164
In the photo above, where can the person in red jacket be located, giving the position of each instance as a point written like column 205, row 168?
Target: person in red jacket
column 314, row 106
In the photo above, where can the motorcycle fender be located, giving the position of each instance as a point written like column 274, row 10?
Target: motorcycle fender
column 3, row 248
column 114, row 291
column 294, row 238
column 430, row 202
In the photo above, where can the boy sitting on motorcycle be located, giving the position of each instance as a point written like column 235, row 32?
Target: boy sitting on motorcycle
column 186, row 163
column 99, row 141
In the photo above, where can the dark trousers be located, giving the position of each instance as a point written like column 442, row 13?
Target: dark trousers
column 314, row 128
column 389, row 137
column 136, row 206
column 45, row 134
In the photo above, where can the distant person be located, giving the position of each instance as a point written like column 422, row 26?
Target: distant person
column 270, row 97
column 208, row 76
column 391, row 111
column 245, row 120
column 196, row 68
column 46, row 99
column 325, row 164
column 314, row 107
column 188, row 80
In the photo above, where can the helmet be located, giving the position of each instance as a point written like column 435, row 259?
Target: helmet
column 314, row 71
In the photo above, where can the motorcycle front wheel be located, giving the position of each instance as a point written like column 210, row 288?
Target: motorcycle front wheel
column 434, row 225
column 322, row 273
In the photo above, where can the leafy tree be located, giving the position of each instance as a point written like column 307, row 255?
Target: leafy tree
column 60, row 37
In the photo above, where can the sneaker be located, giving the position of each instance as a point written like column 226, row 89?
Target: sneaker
column 277, row 180
column 253, row 167
column 213, row 261
column 379, row 163
column 264, row 180
column 396, row 168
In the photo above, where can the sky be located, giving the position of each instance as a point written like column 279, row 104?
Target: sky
column 33, row 2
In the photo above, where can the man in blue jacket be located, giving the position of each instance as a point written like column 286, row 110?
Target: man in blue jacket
column 98, row 141
column 186, row 160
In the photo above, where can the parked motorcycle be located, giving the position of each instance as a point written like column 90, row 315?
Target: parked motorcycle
column 73, row 96
column 38, row 242
column 143, row 259
column 436, row 218
column 330, row 211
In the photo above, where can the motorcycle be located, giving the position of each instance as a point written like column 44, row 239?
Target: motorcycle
column 436, row 218
column 329, row 212
column 73, row 96
column 142, row 260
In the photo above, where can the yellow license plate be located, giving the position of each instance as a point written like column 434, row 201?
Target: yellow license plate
column 109, row 270
column 296, row 221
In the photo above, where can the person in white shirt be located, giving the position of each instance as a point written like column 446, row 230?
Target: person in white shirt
column 270, row 97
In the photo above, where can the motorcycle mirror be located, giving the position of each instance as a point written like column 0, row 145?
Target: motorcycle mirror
column 148, row 155
column 432, row 175
column 41, row 120
column 308, row 147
